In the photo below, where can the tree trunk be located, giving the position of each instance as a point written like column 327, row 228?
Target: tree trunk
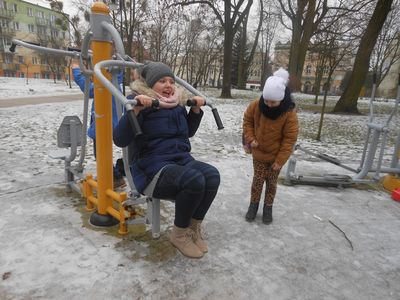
column 348, row 100
column 228, row 44
column 241, row 79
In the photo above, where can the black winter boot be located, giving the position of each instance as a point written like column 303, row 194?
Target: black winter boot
column 252, row 211
column 267, row 214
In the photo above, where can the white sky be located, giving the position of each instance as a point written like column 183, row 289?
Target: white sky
column 68, row 7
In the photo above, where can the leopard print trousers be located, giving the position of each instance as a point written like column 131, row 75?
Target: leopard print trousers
column 264, row 173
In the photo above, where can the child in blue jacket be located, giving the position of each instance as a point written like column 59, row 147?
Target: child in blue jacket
column 79, row 79
column 162, row 155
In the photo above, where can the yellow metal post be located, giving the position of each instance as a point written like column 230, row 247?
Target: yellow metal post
column 102, row 50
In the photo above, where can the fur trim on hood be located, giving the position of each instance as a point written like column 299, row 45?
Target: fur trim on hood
column 140, row 87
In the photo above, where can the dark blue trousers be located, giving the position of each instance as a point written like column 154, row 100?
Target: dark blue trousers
column 192, row 186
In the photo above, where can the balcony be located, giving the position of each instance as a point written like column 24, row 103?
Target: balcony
column 8, row 32
column 8, row 14
column 41, row 21
column 52, row 24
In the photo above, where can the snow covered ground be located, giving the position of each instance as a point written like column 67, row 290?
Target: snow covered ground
column 19, row 88
column 49, row 251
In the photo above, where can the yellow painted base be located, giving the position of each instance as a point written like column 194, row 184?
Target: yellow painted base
column 391, row 182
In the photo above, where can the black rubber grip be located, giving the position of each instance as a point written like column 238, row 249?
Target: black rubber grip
column 217, row 119
column 12, row 48
column 73, row 49
column 33, row 43
column 154, row 103
column 191, row 102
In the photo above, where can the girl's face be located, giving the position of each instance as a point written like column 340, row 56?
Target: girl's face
column 165, row 86
column 270, row 103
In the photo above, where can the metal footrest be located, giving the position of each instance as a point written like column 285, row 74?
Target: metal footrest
column 59, row 153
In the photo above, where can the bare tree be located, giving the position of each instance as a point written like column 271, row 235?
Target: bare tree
column 230, row 18
column 245, row 60
column 348, row 100
column 387, row 49
column 162, row 39
column 332, row 52
column 305, row 16
column 67, row 20
column 269, row 28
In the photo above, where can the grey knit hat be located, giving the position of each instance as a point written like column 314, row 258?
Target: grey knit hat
column 154, row 71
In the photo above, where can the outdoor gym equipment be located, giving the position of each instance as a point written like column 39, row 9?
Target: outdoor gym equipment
column 376, row 134
column 103, row 38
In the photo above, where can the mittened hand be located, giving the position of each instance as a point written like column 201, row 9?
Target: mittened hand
column 276, row 167
column 247, row 148
column 254, row 144
column 200, row 101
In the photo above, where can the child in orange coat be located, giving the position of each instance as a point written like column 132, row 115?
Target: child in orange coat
column 270, row 129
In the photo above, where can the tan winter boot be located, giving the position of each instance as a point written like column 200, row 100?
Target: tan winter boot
column 198, row 237
column 182, row 239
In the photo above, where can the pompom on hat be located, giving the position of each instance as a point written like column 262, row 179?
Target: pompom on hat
column 275, row 85
column 154, row 71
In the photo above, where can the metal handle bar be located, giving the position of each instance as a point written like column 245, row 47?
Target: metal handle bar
column 195, row 92
column 37, row 47
column 116, row 92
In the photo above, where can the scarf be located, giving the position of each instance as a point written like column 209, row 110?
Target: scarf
column 275, row 112
column 171, row 101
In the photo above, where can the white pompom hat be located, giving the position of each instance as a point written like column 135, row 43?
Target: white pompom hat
column 275, row 85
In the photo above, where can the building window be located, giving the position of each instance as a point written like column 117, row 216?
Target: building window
column 14, row 7
column 21, row 59
column 16, row 25
column 36, row 75
column 31, row 28
column 3, row 5
column 34, row 60
column 8, row 73
column 308, row 69
column 4, row 23
column 7, row 41
column 54, row 33
column 30, row 12
column 52, row 18
column 41, row 30
column 8, row 58
column 22, row 75
column 40, row 14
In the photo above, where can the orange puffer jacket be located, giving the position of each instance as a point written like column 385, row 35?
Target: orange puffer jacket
column 275, row 138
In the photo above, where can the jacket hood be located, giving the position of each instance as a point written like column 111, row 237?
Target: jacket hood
column 140, row 87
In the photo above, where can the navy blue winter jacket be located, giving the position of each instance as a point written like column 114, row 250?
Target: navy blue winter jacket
column 165, row 140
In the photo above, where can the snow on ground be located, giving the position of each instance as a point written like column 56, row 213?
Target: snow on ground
column 49, row 251
column 20, row 88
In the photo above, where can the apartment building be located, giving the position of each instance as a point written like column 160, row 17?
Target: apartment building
column 309, row 75
column 32, row 23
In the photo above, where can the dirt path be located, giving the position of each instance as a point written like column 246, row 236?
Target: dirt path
column 39, row 100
